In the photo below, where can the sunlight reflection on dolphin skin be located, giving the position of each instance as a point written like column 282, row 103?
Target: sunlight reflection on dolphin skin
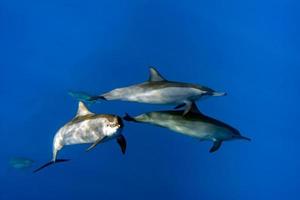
column 86, row 129
column 158, row 90
column 192, row 125
column 169, row 95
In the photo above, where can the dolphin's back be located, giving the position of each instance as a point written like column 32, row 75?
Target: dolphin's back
column 174, row 120
column 193, row 124
column 159, row 92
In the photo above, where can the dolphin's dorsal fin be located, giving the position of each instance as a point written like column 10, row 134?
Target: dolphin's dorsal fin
column 82, row 110
column 155, row 75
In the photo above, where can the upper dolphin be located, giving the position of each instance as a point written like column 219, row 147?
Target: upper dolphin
column 158, row 90
column 87, row 127
column 194, row 124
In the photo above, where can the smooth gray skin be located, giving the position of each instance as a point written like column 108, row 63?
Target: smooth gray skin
column 86, row 127
column 157, row 90
column 193, row 124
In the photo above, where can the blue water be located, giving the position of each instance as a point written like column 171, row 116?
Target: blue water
column 249, row 49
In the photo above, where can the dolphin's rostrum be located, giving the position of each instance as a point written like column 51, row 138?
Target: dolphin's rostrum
column 87, row 127
column 194, row 124
column 158, row 90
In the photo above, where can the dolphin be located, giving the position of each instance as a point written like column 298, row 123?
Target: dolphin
column 158, row 90
column 20, row 162
column 87, row 127
column 194, row 124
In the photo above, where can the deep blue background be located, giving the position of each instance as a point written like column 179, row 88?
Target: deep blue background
column 249, row 49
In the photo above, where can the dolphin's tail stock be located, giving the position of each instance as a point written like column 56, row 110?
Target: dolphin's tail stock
column 83, row 96
column 96, row 98
column 50, row 163
column 127, row 117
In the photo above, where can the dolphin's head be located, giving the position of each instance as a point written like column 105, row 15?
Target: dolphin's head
column 115, row 122
column 120, row 125
column 119, row 122
column 113, row 125
column 236, row 135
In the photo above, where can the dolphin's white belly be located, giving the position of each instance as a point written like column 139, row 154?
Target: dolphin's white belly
column 167, row 95
column 87, row 131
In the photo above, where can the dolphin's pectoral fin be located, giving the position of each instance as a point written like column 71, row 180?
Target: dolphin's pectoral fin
column 216, row 146
column 195, row 109
column 50, row 163
column 155, row 75
column 96, row 143
column 180, row 106
column 122, row 143
column 188, row 106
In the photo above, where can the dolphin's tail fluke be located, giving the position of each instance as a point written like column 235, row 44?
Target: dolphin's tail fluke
column 50, row 163
column 83, row 96
column 127, row 117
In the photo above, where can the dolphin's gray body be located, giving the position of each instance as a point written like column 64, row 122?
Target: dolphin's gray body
column 87, row 127
column 158, row 90
column 194, row 124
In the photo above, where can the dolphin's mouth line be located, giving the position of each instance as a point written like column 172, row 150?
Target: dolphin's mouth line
column 120, row 123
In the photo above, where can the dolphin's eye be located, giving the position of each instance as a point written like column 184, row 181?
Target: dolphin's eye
column 110, row 125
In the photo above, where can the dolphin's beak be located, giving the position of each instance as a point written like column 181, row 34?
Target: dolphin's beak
column 120, row 122
column 244, row 138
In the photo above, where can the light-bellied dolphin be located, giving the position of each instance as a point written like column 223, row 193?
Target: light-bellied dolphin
column 194, row 124
column 87, row 127
column 158, row 90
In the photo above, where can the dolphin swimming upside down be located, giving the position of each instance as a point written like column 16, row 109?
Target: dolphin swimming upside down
column 87, row 127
